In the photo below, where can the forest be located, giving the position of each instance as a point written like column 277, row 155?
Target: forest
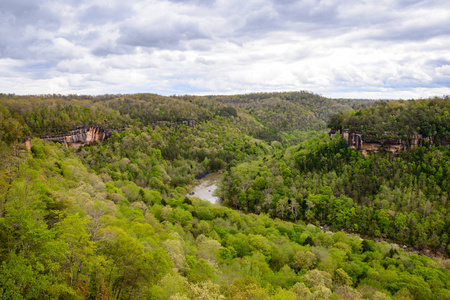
column 428, row 117
column 303, row 216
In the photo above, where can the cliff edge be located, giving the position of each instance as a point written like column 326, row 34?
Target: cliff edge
column 82, row 136
column 356, row 140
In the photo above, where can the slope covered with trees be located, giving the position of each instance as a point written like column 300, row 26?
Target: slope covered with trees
column 111, row 220
column 398, row 119
column 281, row 112
column 402, row 197
column 277, row 112
column 70, row 233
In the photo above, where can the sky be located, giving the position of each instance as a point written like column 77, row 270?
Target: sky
column 376, row 49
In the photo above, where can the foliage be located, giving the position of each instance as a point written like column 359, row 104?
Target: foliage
column 428, row 117
column 112, row 221
column 401, row 197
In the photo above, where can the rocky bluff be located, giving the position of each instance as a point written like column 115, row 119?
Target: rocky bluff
column 82, row 135
column 85, row 135
column 358, row 141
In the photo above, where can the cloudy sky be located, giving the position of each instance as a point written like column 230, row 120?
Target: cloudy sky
column 336, row 48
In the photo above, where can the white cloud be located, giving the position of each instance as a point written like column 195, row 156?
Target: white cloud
column 376, row 49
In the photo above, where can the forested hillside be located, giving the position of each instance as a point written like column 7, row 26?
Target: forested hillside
column 281, row 112
column 398, row 119
column 403, row 197
column 111, row 220
column 271, row 115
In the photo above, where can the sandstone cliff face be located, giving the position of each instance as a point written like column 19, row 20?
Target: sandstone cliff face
column 356, row 140
column 82, row 136
column 28, row 144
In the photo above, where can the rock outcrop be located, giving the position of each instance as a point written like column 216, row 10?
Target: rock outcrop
column 28, row 144
column 356, row 140
column 190, row 123
column 82, row 136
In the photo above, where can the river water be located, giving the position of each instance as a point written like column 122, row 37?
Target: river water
column 205, row 189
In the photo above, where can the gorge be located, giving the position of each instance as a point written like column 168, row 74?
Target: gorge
column 358, row 141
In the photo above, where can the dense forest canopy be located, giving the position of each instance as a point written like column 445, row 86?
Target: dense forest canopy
column 324, row 182
column 398, row 118
column 276, row 112
column 111, row 220
column 290, row 111
column 403, row 197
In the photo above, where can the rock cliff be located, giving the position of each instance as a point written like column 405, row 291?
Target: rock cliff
column 356, row 140
column 82, row 136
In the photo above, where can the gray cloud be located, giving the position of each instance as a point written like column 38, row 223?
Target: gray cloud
column 101, row 14
column 20, row 24
column 208, row 3
column 166, row 34
column 263, row 19
column 35, row 71
column 111, row 48
column 397, row 32
column 316, row 12
column 340, row 47
column 436, row 63
column 20, row 13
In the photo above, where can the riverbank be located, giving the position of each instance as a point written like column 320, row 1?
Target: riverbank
column 206, row 188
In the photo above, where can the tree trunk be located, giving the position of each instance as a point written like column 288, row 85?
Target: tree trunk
column 133, row 286
column 80, row 267
column 121, row 285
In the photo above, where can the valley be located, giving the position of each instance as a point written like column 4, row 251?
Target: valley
column 302, row 215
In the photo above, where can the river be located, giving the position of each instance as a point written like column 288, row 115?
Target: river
column 205, row 189
column 207, row 185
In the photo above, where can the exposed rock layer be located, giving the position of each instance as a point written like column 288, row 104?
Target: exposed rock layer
column 82, row 136
column 356, row 140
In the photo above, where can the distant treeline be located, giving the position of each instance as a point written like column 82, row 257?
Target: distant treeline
column 428, row 117
column 277, row 112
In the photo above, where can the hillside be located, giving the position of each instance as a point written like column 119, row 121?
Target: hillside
column 281, row 112
column 111, row 220
column 272, row 114
column 401, row 196
column 398, row 119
